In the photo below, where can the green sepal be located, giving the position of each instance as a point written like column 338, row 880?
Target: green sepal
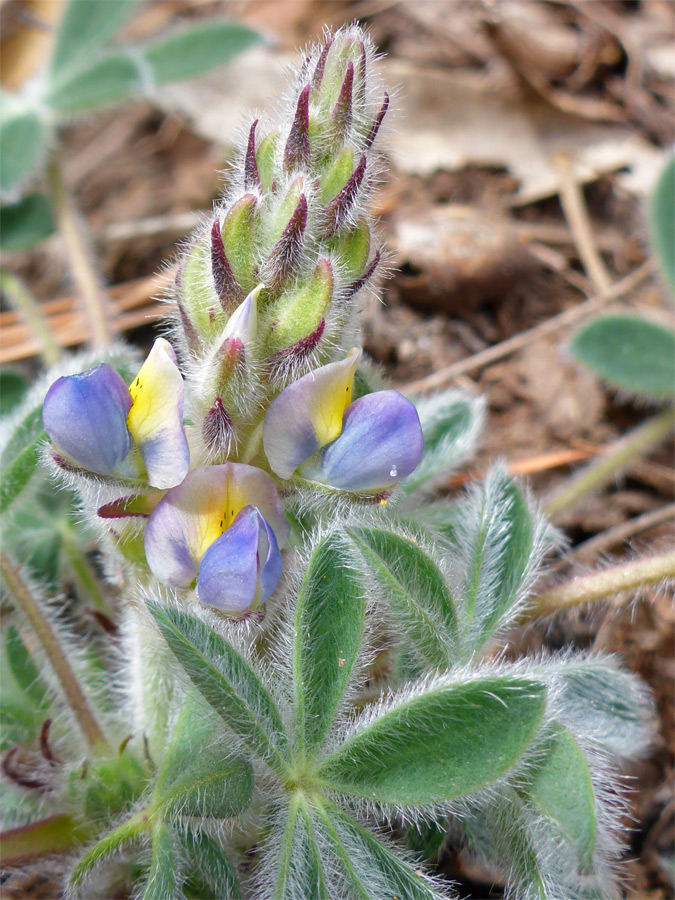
column 197, row 291
column 560, row 788
column 282, row 213
column 299, row 872
column 352, row 249
column 238, row 233
column 199, row 775
column 25, row 223
column 227, row 682
column 328, row 626
column 107, row 785
column 265, row 155
column 445, row 743
column 193, row 51
column 296, row 314
column 336, row 176
column 415, row 590
column 630, row 353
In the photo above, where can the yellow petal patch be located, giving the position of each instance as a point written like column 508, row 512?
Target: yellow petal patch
column 332, row 394
column 155, row 392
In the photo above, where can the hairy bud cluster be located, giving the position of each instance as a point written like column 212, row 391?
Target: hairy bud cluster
column 294, row 229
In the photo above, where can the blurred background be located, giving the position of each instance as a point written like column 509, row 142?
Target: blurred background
column 524, row 141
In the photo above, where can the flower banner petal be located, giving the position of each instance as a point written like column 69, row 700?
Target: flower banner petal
column 155, row 419
column 381, row 443
column 243, row 323
column 194, row 514
column 308, row 414
column 85, row 415
column 185, row 523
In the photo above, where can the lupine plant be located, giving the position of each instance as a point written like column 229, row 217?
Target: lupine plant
column 306, row 692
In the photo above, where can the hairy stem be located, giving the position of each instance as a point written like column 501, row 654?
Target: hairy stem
column 587, row 588
column 80, row 255
column 46, row 837
column 605, row 467
column 20, row 299
column 73, row 693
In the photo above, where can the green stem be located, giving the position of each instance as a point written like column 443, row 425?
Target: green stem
column 587, row 588
column 21, row 300
column 110, row 842
column 57, row 834
column 73, row 693
column 607, row 466
column 73, row 233
column 83, row 571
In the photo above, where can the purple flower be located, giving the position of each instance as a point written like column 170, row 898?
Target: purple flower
column 313, row 429
column 222, row 528
column 101, row 425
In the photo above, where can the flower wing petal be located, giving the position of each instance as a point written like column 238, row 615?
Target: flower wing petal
column 380, row 444
column 155, row 419
column 85, row 416
column 269, row 561
column 185, row 522
column 308, row 414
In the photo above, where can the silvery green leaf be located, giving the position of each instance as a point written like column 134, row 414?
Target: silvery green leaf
column 450, row 740
column 413, row 586
column 662, row 221
column 20, row 455
column 193, row 51
column 451, row 424
column 85, row 28
column 200, row 775
column 23, row 138
column 299, row 871
column 368, row 868
column 328, row 627
column 630, row 353
column 226, row 681
column 161, row 881
column 499, row 543
column 25, row 223
column 560, row 788
column 210, row 865
column 109, row 78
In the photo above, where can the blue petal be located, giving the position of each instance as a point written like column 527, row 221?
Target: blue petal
column 380, row 443
column 229, row 570
column 269, row 561
column 86, row 418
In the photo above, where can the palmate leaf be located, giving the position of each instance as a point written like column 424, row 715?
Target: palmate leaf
column 451, row 424
column 630, row 353
column 161, row 880
column 499, row 542
column 368, row 869
column 328, row 625
column 662, row 221
column 560, row 787
column 451, row 740
column 299, row 873
column 227, row 682
column 26, row 223
column 23, row 138
column 211, row 875
column 20, row 456
column 119, row 74
column 199, row 775
column 412, row 585
column 86, row 26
